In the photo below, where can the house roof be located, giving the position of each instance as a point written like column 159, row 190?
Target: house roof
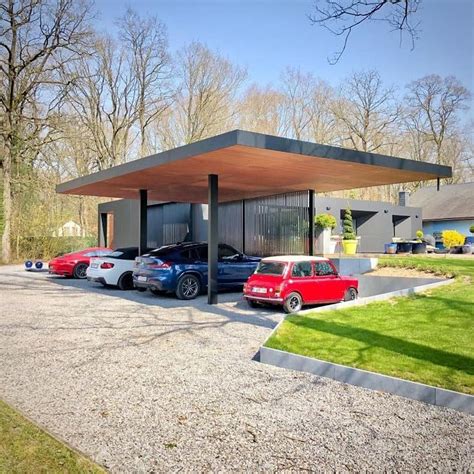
column 452, row 201
column 250, row 165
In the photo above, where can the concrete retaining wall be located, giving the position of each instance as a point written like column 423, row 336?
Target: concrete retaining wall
column 363, row 378
column 355, row 265
column 370, row 380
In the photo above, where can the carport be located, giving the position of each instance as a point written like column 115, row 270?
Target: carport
column 243, row 165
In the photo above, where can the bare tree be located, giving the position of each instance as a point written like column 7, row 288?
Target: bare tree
column 37, row 38
column 259, row 110
column 146, row 41
column 366, row 111
column 104, row 100
column 206, row 98
column 434, row 103
column 341, row 17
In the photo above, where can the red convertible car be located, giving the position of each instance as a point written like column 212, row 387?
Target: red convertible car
column 75, row 264
column 293, row 281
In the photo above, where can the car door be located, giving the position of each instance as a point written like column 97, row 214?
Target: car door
column 302, row 279
column 229, row 273
column 328, row 285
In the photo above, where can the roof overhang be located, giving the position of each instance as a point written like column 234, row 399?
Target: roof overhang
column 250, row 165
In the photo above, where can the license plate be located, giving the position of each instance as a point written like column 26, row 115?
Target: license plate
column 94, row 265
column 256, row 289
column 141, row 278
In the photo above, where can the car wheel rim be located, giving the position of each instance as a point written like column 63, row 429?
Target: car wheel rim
column 81, row 271
column 353, row 295
column 190, row 287
column 294, row 303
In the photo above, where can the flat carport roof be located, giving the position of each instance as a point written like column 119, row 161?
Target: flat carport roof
column 250, row 165
column 242, row 165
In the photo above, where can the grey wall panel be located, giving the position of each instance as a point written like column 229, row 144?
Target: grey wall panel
column 274, row 225
column 125, row 212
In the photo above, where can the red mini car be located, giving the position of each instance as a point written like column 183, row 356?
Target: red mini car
column 75, row 264
column 293, row 281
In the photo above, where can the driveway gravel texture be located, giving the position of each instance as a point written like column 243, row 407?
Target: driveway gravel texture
column 151, row 384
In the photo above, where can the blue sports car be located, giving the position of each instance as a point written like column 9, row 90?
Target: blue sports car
column 182, row 269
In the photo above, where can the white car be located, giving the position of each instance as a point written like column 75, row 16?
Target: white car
column 115, row 269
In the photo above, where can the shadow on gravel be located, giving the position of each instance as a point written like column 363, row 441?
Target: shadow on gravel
column 232, row 306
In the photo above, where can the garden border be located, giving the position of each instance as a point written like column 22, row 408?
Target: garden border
column 364, row 378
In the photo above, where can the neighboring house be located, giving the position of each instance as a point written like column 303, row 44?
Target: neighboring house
column 70, row 229
column 450, row 208
column 263, row 226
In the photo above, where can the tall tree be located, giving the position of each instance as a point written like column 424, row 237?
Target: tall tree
column 208, row 86
column 37, row 38
column 146, row 41
column 433, row 107
column 366, row 111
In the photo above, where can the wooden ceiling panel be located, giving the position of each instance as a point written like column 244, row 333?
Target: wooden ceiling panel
column 248, row 171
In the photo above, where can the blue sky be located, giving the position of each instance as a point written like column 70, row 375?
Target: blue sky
column 268, row 35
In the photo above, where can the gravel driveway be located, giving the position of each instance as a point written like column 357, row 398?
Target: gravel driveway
column 147, row 384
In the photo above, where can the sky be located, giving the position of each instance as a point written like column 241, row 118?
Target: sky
column 268, row 35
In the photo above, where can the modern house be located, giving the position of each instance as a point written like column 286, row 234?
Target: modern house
column 450, row 208
column 263, row 226
column 264, row 181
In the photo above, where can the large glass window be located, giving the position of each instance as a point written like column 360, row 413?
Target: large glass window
column 271, row 268
column 324, row 268
column 302, row 269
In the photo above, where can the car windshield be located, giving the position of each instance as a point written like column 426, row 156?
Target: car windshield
column 124, row 254
column 271, row 268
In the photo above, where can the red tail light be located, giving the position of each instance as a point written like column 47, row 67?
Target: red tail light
column 162, row 265
column 107, row 265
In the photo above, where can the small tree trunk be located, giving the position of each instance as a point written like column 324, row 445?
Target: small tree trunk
column 7, row 207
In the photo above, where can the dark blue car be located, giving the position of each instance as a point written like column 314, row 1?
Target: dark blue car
column 182, row 269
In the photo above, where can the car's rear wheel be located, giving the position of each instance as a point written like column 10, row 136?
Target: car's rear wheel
column 293, row 303
column 125, row 282
column 188, row 287
column 350, row 294
column 80, row 271
column 252, row 303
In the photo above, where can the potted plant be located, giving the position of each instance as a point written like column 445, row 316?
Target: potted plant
column 418, row 246
column 349, row 239
column 470, row 238
column 324, row 224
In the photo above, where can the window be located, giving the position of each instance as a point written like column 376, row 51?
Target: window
column 91, row 254
column 271, row 268
column 202, row 253
column 226, row 252
column 324, row 268
column 188, row 254
column 302, row 269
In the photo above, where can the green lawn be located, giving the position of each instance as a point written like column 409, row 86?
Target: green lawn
column 427, row 337
column 24, row 448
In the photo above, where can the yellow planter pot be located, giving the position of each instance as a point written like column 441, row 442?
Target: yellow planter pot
column 349, row 246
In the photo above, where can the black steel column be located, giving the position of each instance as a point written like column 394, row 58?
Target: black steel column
column 212, row 237
column 243, row 226
column 437, row 184
column 103, row 217
column 143, row 221
column 311, row 222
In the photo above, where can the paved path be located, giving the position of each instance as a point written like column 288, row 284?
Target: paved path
column 147, row 384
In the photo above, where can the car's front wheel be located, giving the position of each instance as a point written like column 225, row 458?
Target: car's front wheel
column 350, row 294
column 80, row 271
column 188, row 287
column 293, row 303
